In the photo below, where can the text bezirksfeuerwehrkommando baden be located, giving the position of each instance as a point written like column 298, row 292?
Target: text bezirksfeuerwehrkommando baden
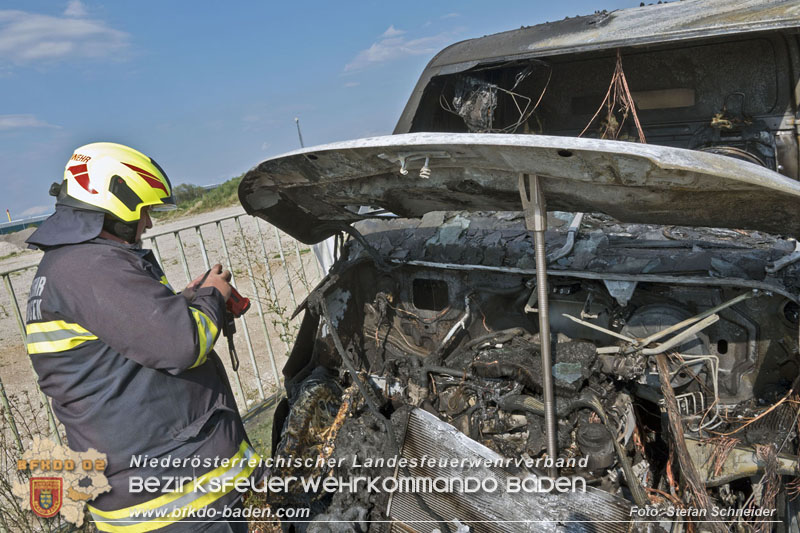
column 447, row 482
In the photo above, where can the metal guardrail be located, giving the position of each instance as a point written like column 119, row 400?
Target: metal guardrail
column 299, row 286
column 22, row 223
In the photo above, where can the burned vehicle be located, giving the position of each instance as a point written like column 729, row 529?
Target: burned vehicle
column 580, row 245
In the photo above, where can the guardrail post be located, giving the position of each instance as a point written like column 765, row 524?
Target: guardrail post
column 302, row 272
column 260, row 309
column 202, row 247
column 273, row 289
column 285, row 265
column 236, row 376
column 183, row 257
column 242, row 321
column 156, row 252
column 10, row 417
column 320, row 273
column 21, row 323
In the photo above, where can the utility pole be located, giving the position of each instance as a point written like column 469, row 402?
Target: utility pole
column 299, row 134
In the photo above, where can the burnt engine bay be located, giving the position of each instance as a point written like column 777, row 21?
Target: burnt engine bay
column 439, row 316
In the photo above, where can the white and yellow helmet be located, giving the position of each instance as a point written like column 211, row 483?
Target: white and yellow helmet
column 115, row 179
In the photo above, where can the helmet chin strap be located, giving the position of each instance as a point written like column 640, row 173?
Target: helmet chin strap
column 124, row 230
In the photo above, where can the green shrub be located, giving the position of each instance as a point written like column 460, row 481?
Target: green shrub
column 186, row 193
column 196, row 199
column 224, row 195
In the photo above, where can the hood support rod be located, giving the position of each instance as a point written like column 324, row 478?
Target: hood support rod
column 535, row 209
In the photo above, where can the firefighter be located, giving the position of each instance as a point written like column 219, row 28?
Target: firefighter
column 128, row 363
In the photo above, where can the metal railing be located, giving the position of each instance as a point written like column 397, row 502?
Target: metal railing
column 280, row 275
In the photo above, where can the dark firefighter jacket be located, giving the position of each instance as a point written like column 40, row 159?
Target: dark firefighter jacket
column 131, row 372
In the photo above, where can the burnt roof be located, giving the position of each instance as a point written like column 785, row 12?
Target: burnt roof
column 646, row 25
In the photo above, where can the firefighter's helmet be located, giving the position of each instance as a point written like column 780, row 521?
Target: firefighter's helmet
column 114, row 179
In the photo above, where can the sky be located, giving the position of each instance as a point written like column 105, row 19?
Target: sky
column 210, row 89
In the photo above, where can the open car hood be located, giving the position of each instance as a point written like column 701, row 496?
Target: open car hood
column 311, row 193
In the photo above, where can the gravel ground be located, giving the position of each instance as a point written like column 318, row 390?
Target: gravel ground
column 291, row 279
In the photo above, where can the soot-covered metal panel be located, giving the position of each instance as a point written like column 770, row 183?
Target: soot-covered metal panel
column 306, row 193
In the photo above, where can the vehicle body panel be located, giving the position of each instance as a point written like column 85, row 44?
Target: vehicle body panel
column 306, row 193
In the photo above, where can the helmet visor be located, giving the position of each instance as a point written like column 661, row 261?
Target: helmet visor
column 168, row 205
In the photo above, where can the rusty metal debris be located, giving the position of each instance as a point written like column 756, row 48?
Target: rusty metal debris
column 722, row 450
column 723, row 461
column 678, row 445
column 618, row 100
column 330, row 433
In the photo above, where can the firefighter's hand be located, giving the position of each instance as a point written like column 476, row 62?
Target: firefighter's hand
column 220, row 279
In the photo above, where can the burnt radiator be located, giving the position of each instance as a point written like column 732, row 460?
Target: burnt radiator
column 593, row 511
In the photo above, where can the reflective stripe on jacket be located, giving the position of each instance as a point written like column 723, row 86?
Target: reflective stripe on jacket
column 191, row 497
column 130, row 367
